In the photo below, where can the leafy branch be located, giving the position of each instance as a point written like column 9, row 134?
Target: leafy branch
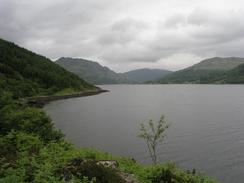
column 153, row 133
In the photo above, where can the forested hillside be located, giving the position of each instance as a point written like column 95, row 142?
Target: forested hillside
column 146, row 75
column 214, row 70
column 92, row 72
column 235, row 76
column 24, row 73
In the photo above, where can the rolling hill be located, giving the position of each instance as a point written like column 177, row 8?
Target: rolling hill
column 91, row 71
column 234, row 76
column 24, row 73
column 146, row 75
column 213, row 70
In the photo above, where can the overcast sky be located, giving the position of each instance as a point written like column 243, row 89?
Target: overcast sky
column 127, row 34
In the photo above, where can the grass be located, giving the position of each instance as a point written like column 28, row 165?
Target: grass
column 66, row 91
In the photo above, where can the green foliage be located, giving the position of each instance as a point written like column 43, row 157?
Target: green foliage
column 35, row 161
column 18, row 142
column 153, row 134
column 5, row 99
column 11, row 179
column 17, row 148
column 81, row 168
column 66, row 91
column 28, row 120
column 169, row 173
column 31, row 151
column 86, row 180
column 24, row 73
column 235, row 76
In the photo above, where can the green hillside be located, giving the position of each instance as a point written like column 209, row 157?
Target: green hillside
column 212, row 70
column 91, row 71
column 234, row 76
column 25, row 73
column 218, row 63
column 146, row 75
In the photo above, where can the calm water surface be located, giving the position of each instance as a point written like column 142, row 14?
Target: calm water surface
column 206, row 133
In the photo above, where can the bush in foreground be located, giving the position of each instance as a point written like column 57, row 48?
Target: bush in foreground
column 31, row 150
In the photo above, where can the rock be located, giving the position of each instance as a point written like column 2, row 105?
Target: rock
column 109, row 163
column 129, row 178
column 92, row 168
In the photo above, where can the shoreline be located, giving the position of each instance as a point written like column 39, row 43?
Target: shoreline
column 40, row 101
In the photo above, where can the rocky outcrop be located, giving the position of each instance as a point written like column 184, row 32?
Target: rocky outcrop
column 104, row 171
column 128, row 178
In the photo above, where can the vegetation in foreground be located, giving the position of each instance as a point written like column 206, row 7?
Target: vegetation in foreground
column 32, row 150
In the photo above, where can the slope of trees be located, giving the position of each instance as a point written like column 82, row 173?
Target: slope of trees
column 235, row 76
column 146, row 75
column 194, row 76
column 210, row 71
column 25, row 73
column 92, row 72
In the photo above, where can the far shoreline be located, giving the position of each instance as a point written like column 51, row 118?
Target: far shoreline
column 40, row 101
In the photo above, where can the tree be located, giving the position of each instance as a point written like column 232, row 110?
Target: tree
column 153, row 134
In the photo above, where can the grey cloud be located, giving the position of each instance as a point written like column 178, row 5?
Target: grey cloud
column 200, row 17
column 110, row 30
column 128, row 24
column 48, row 25
column 122, row 32
column 175, row 21
column 202, row 33
column 215, row 28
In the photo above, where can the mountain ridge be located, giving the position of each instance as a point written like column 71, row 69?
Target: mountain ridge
column 212, row 70
column 92, row 71
column 218, row 63
column 95, row 73
column 146, row 74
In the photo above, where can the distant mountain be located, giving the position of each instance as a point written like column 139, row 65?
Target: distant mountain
column 24, row 73
column 91, row 71
column 218, row 63
column 146, row 75
column 213, row 70
column 234, row 76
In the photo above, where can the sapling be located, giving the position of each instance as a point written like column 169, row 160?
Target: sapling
column 153, row 133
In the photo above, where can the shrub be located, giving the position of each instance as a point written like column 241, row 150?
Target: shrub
column 28, row 120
